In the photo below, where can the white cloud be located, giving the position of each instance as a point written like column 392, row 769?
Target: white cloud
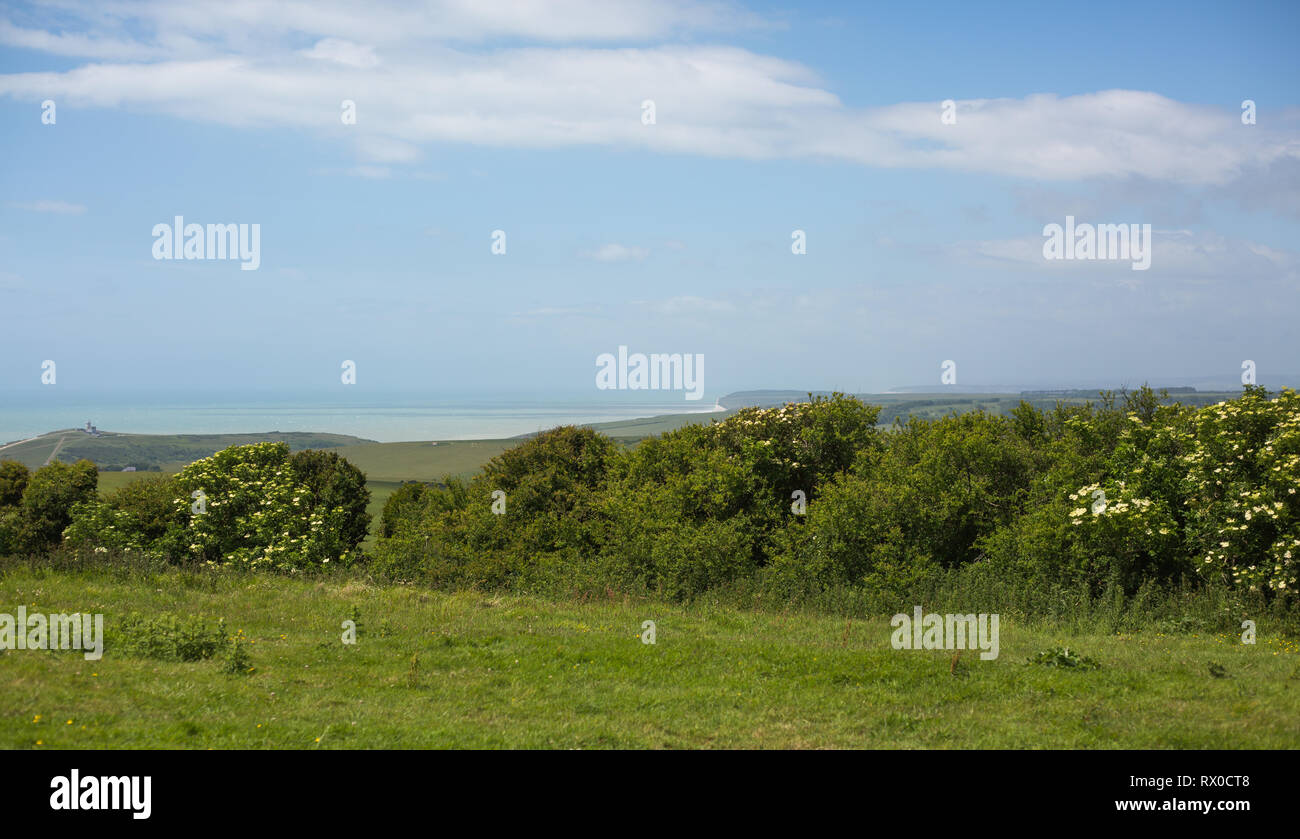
column 243, row 64
column 343, row 52
column 138, row 29
column 80, row 46
column 614, row 252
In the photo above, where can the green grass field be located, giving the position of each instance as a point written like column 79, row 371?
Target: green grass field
column 167, row 451
column 628, row 431
column 109, row 481
column 471, row 670
column 423, row 461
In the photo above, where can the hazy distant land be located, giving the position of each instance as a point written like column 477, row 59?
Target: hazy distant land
column 427, row 460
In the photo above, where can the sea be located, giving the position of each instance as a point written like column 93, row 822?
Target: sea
column 384, row 418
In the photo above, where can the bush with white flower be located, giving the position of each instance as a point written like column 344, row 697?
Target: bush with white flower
column 1216, row 489
column 252, row 509
column 1131, row 537
column 1243, row 491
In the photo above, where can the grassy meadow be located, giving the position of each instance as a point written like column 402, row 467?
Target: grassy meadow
column 112, row 450
column 422, row 461
column 467, row 669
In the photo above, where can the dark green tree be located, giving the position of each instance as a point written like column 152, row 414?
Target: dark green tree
column 402, row 504
column 334, row 482
column 13, row 480
column 49, row 497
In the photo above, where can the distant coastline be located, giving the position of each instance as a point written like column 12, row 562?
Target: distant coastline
column 392, row 435
column 408, row 419
column 380, row 418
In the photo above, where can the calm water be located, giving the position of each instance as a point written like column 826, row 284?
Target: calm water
column 382, row 418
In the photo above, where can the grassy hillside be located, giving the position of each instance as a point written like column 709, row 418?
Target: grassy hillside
column 109, row 481
column 168, row 452
column 628, row 431
column 469, row 670
column 406, row 461
column 423, row 461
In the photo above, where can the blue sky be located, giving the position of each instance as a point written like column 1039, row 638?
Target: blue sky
column 924, row 239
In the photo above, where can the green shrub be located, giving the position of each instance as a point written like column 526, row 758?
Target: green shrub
column 48, row 499
column 729, row 486
column 404, row 503
column 450, row 536
column 1004, row 503
column 1064, row 657
column 13, row 480
column 140, row 516
column 1171, row 492
column 927, row 499
column 1243, row 491
column 246, row 505
column 167, row 637
column 11, row 531
column 237, row 661
column 335, row 484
